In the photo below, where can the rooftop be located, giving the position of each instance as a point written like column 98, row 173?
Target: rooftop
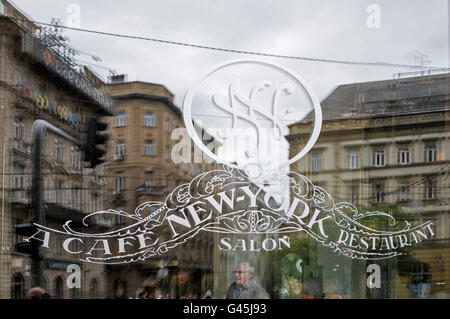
column 154, row 89
column 388, row 97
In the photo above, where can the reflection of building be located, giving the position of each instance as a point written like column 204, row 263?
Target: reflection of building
column 140, row 144
column 386, row 144
column 141, row 169
column 34, row 85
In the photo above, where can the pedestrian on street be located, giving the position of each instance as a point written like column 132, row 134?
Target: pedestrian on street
column 245, row 287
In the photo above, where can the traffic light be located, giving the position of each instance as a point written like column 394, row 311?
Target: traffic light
column 28, row 247
column 92, row 153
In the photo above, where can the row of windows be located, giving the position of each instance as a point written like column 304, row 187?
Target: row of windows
column 379, row 157
column 403, row 192
column 149, row 149
column 430, row 192
column 75, row 197
column 149, row 120
column 119, row 185
column 403, row 155
column 75, row 153
column 59, row 149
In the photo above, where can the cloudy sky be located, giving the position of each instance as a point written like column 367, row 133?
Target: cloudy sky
column 328, row 29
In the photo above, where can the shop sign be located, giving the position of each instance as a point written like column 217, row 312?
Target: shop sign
column 53, row 107
column 238, row 201
column 38, row 51
column 57, row 264
column 228, row 205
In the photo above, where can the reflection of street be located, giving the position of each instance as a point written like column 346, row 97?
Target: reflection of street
column 29, row 93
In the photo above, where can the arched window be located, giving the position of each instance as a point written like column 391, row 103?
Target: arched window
column 403, row 155
column 379, row 158
column 120, row 289
column 17, row 287
column 73, row 293
column 58, row 288
column 93, row 289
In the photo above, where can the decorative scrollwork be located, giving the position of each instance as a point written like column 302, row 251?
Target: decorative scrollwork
column 150, row 218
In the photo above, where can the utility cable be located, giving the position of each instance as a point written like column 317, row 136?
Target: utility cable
column 256, row 53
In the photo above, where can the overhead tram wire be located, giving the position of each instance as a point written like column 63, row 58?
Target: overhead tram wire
column 198, row 46
column 436, row 174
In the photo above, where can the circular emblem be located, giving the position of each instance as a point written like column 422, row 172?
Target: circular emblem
column 239, row 114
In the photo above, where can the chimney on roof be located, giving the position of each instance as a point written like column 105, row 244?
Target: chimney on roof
column 117, row 78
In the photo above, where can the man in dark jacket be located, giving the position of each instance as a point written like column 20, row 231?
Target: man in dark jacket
column 245, row 286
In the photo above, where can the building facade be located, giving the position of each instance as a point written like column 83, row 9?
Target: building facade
column 37, row 83
column 385, row 146
column 141, row 167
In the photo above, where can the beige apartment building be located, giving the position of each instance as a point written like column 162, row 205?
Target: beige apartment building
column 386, row 145
column 139, row 169
column 140, row 165
column 37, row 83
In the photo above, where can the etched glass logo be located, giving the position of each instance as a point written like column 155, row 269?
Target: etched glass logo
column 248, row 106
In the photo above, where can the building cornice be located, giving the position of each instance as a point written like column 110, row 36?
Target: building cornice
column 151, row 97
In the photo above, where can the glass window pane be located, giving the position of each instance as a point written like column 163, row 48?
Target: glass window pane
column 149, row 119
column 325, row 178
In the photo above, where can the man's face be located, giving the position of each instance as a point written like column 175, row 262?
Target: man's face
column 182, row 278
column 243, row 275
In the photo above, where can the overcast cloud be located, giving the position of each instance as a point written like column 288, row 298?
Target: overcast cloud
column 326, row 29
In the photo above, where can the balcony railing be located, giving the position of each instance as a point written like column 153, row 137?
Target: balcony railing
column 151, row 190
column 20, row 196
column 118, row 157
column 97, row 179
column 21, row 146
